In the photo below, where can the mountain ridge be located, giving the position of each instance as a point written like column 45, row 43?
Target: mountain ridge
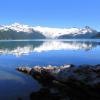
column 21, row 31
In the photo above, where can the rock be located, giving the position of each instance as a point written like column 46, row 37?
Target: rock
column 70, row 82
column 24, row 69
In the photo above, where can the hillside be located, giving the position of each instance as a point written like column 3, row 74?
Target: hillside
column 11, row 34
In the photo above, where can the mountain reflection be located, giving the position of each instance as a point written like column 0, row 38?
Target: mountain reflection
column 19, row 48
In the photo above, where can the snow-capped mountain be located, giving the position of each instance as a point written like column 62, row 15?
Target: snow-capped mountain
column 19, row 31
column 51, row 33
column 57, row 32
column 17, row 27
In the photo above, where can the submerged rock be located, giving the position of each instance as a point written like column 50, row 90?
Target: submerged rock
column 66, row 82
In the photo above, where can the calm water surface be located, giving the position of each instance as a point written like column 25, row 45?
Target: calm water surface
column 15, row 85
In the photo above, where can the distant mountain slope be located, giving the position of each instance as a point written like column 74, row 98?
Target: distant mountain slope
column 80, row 36
column 98, row 35
column 11, row 34
column 19, row 31
column 64, row 33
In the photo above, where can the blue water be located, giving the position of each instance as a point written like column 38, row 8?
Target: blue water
column 14, row 85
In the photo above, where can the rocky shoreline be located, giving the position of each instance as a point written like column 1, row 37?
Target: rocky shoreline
column 68, row 82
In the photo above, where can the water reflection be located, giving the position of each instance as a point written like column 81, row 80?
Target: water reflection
column 4, row 75
column 19, row 48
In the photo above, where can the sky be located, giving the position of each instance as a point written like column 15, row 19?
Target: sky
column 51, row 13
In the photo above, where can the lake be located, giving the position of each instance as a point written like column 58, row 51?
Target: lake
column 17, row 86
